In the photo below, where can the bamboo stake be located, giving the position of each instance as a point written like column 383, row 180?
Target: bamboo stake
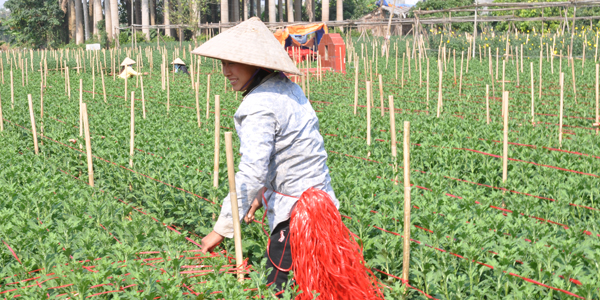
column 381, row 94
column 560, row 120
column 454, row 66
column 393, row 127
column 356, row 88
column 88, row 146
column 487, row 103
column 497, row 54
column 461, row 74
column 126, row 83
column 403, row 57
column 33, row 130
column 41, row 111
column 428, row 86
column 368, row 118
column 80, row 107
column 532, row 96
column 439, row 104
column 132, row 133
column 597, row 96
column 207, row 96
column 540, row 87
column 93, row 82
column 143, row 98
column 12, row 91
column 407, row 207
column 237, row 232
column 573, row 76
column 217, row 141
column 505, row 141
column 2, row 120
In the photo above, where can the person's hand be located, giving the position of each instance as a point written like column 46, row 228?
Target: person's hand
column 256, row 204
column 212, row 240
column 145, row 73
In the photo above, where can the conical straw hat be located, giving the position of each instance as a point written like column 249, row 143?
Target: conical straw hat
column 250, row 43
column 178, row 61
column 127, row 61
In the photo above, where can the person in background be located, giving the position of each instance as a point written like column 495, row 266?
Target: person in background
column 127, row 69
column 179, row 67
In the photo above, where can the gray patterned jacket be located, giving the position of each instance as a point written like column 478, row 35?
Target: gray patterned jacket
column 281, row 149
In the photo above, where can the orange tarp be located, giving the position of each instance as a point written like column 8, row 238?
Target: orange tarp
column 282, row 35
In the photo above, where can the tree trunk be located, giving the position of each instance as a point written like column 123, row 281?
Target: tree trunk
column 79, row 23
column 298, row 10
column 252, row 13
column 108, row 24
column 145, row 19
column 166, row 17
column 236, row 10
column 339, row 10
column 259, row 9
column 97, row 15
column 272, row 12
column 138, row 12
column 114, row 13
column 152, row 5
column 224, row 11
column 72, row 23
column 280, row 10
column 86, row 21
column 290, row 10
column 325, row 11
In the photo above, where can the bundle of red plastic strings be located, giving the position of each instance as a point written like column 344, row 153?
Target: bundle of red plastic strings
column 326, row 258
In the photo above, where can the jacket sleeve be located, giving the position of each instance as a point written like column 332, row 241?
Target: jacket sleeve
column 256, row 130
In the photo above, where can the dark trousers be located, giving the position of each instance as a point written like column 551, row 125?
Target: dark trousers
column 279, row 256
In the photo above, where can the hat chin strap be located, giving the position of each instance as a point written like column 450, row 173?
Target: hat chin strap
column 250, row 80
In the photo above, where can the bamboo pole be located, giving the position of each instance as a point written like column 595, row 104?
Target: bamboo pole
column 207, row 96
column 573, row 76
column 597, row 97
column 103, row 87
column 393, row 127
column 217, row 141
column 407, row 207
column 356, row 88
column 428, row 86
column 540, row 84
column 143, row 98
column 381, row 94
column 88, row 146
column 368, row 118
column 439, row 104
column 80, row 107
column 454, row 65
column 12, row 91
column 560, row 120
column 237, row 232
column 487, row 103
column 169, row 92
column 505, row 141
column 403, row 57
column 532, row 96
column 461, row 74
column 132, row 133
column 126, row 83
column 33, row 130
column 197, row 84
column 2, row 118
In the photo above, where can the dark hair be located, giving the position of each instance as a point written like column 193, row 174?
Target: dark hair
column 257, row 79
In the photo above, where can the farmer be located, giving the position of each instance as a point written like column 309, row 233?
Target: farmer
column 283, row 168
column 179, row 66
column 127, row 70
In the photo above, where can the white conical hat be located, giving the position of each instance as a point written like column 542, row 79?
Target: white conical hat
column 127, row 61
column 178, row 61
column 250, row 43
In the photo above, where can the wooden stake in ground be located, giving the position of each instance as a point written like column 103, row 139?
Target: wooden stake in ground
column 407, row 207
column 143, row 98
column 80, row 107
column 126, row 85
column 12, row 91
column 403, row 57
column 505, row 140
column 532, row 96
column 356, row 87
column 237, row 231
column 217, row 141
column 207, row 95
column 560, row 120
column 103, row 87
column 573, row 76
column 33, row 130
column 461, row 72
column 368, row 118
column 132, row 133
column 88, row 146
column 487, row 103
column 197, row 103
column 381, row 94
column 2, row 120
column 393, row 127
column 439, row 104
column 597, row 97
column 540, row 87
column 428, row 85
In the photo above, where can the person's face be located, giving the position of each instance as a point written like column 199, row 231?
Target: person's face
column 238, row 74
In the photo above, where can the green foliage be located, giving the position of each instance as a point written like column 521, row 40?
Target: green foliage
column 35, row 23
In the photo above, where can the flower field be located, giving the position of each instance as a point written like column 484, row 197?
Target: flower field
column 135, row 234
